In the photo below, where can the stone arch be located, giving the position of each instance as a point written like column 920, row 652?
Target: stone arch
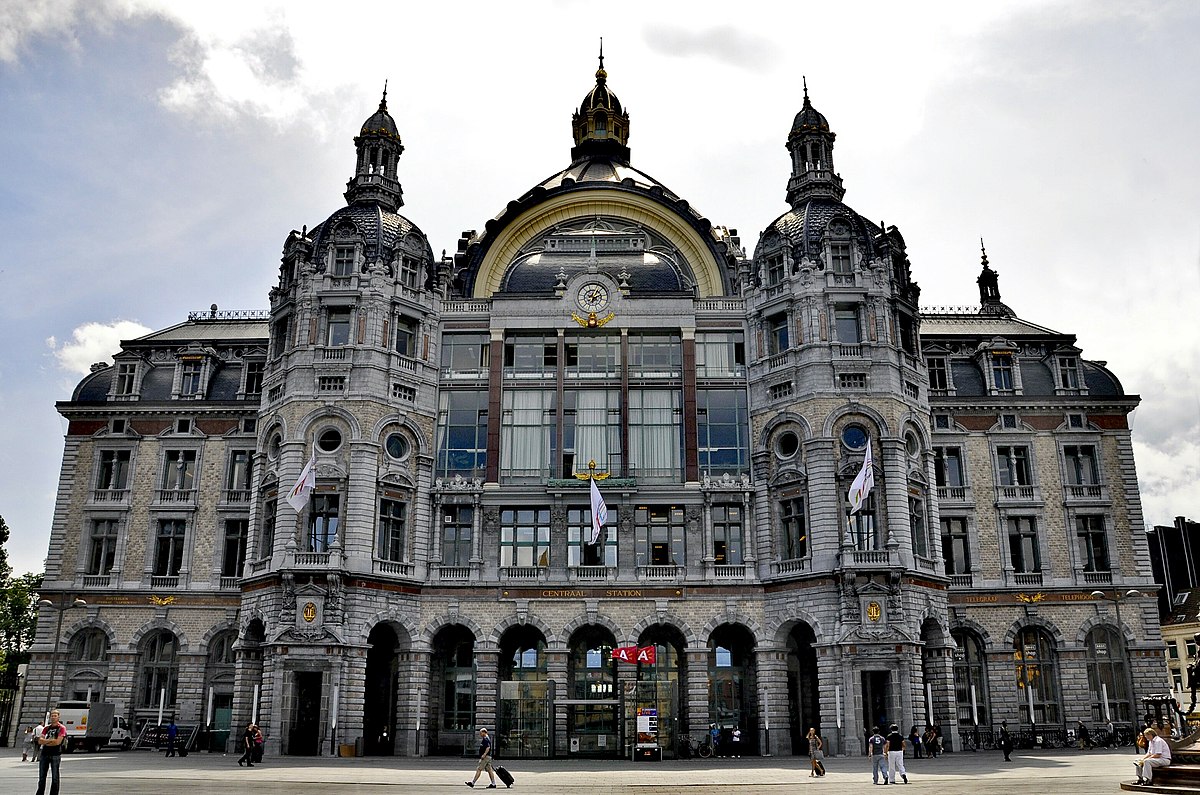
column 978, row 629
column 397, row 621
column 929, row 618
column 508, row 622
column 309, row 421
column 1092, row 622
column 667, row 620
column 780, row 419
column 217, row 629
column 155, row 624
column 911, row 422
column 585, row 620
column 91, row 622
column 745, row 622
column 881, row 423
column 277, row 423
column 1035, row 621
column 405, row 422
column 438, row 623
column 788, row 620
column 247, row 618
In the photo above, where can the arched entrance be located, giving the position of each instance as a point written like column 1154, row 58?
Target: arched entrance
column 662, row 686
column 452, row 690
column 591, row 699
column 379, row 700
column 732, row 687
column 525, row 717
column 804, row 704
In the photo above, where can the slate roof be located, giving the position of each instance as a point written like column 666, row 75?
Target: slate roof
column 381, row 230
column 805, row 226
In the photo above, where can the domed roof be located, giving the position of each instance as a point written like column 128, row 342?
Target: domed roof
column 380, row 122
column 809, row 119
column 805, row 227
column 380, row 231
column 600, row 97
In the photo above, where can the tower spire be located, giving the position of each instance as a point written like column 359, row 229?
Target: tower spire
column 804, row 80
column 983, row 253
column 383, row 101
column 810, row 144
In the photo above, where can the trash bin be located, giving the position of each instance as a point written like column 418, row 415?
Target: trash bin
column 345, row 750
column 358, row 746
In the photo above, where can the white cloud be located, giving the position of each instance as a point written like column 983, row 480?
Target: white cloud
column 93, row 342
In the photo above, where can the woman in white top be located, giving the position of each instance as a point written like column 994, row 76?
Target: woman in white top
column 1158, row 754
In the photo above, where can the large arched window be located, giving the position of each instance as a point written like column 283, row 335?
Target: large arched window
column 970, row 678
column 1036, row 662
column 159, row 670
column 453, row 669
column 592, row 676
column 89, row 645
column 1107, row 675
column 731, row 679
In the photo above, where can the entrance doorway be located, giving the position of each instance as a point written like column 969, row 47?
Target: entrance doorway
column 222, row 721
column 379, row 710
column 305, row 737
column 804, row 704
column 876, row 695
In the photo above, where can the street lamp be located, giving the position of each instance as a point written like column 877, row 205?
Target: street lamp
column 61, row 607
column 1116, row 598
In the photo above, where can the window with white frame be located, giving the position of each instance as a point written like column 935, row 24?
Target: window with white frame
column 720, row 354
column 728, row 521
column 655, row 432
column 956, row 545
column 526, row 429
column 323, row 520
column 777, row 334
column 406, row 336
column 254, row 377
column 168, row 547
column 1081, row 466
column 102, row 551
column 1024, row 555
column 1002, row 372
column 775, row 269
column 525, row 537
column 234, row 557
column 190, row 375
column 393, row 529
column 1068, row 372
column 1092, row 543
column 591, row 430
column 179, row 470
column 948, row 467
column 457, row 530
column 126, row 378
column 410, row 272
column 343, row 261
column 722, row 429
column 1012, row 465
column 580, row 549
column 845, row 318
column 337, row 330
column 839, row 256
column 113, row 473
column 659, row 535
column 939, row 374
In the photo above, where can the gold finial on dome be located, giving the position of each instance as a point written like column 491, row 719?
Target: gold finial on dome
column 601, row 75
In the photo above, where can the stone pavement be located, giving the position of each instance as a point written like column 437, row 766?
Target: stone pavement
column 1060, row 772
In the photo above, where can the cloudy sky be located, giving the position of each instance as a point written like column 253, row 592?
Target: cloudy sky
column 154, row 156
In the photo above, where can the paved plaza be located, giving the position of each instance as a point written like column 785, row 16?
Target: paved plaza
column 1061, row 772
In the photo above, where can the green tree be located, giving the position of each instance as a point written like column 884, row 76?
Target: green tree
column 18, row 614
column 5, row 569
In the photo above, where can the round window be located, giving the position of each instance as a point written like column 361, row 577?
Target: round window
column 330, row 440
column 854, row 437
column 273, row 446
column 912, row 445
column 396, row 446
column 787, row 444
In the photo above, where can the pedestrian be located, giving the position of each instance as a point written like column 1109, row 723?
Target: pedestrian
column 1006, row 741
column 172, row 733
column 937, row 739
column 485, row 760
column 1081, row 732
column 247, row 757
column 27, row 747
column 1158, row 754
column 714, row 737
column 895, row 754
column 815, row 754
column 735, row 740
column 914, row 739
column 50, row 741
column 260, row 742
column 875, row 744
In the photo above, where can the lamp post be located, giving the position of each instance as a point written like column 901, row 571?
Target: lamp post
column 61, row 607
column 1116, row 598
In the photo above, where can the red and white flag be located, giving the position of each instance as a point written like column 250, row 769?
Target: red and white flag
column 862, row 485
column 625, row 653
column 298, row 496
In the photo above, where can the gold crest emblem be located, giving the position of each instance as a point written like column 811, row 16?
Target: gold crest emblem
column 310, row 612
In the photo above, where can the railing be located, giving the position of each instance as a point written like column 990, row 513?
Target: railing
column 96, row 580
column 843, row 279
column 310, row 559
column 729, row 572
column 849, row 351
column 928, row 564
column 592, row 572
column 952, row 494
column 398, row 568
column 110, row 495
column 164, row 582
column 176, row 495
column 230, row 314
column 720, row 305
column 1017, row 492
column 236, row 495
column 793, row 566
column 333, row 354
column 775, row 289
column 526, row 573
column 1033, row 578
column 228, row 583
column 466, row 306
column 778, row 360
column 658, row 572
column 961, row 580
column 870, row 557
column 405, row 363
column 1097, row 577
column 259, row 565
column 341, row 282
column 1085, row 492
column 454, row 573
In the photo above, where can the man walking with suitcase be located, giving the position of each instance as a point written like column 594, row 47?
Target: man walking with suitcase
column 485, row 760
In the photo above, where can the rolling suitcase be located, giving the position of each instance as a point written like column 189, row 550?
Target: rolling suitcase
column 504, row 775
column 820, row 767
column 183, row 751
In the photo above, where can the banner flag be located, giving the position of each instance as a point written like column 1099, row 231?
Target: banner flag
column 298, row 496
column 861, row 488
column 599, row 513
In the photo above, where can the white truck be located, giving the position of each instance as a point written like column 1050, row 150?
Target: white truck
column 89, row 724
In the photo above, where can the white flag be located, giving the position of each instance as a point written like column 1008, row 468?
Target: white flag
column 599, row 512
column 861, row 488
column 298, row 496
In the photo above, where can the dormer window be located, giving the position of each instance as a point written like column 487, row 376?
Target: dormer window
column 939, row 374
column 410, row 271
column 189, row 379
column 775, row 270
column 126, row 378
column 839, row 256
column 1002, row 372
column 343, row 260
column 1068, row 372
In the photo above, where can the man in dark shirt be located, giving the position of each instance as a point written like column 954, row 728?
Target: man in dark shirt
column 50, row 743
column 895, row 754
column 485, row 760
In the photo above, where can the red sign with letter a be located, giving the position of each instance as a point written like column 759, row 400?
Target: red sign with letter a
column 646, row 655
column 625, row 653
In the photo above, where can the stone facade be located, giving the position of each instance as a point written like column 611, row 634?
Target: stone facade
column 442, row 575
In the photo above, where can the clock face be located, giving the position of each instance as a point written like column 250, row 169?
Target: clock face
column 593, row 297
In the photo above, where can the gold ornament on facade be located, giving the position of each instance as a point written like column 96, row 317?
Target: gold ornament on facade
column 162, row 601
column 591, row 321
column 592, row 474
column 1031, row 598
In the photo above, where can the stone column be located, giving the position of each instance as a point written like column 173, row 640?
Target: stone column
column 773, row 730
column 696, row 715
column 412, row 703
column 556, row 672
column 487, row 687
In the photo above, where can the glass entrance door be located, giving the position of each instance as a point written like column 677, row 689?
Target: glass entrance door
column 525, row 723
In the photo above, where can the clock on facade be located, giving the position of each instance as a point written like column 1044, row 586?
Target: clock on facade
column 592, row 297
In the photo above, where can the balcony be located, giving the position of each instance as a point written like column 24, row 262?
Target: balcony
column 164, row 583
column 962, row 580
column 870, row 557
column 96, row 580
column 337, row 354
column 523, row 573
column 453, row 573
column 235, row 496
column 1017, row 494
column 848, row 351
column 394, row 568
column 310, row 560
column 1085, row 493
column 466, row 307
column 779, row 360
column 659, row 573
column 960, row 494
column 928, row 564
column 592, row 573
column 257, row 566
column 728, row 572
column 786, row 568
column 1097, row 577
column 1030, row 578
column 110, row 496
column 176, row 496
column 720, row 305
column 228, row 583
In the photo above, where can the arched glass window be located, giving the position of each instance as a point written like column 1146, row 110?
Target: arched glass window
column 454, row 676
column 592, row 676
column 159, row 669
column 1036, row 663
column 91, row 644
column 1107, row 677
column 970, row 678
column 220, row 649
column 601, row 125
column 731, row 678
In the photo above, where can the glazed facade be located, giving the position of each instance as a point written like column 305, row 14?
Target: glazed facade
column 442, row 575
